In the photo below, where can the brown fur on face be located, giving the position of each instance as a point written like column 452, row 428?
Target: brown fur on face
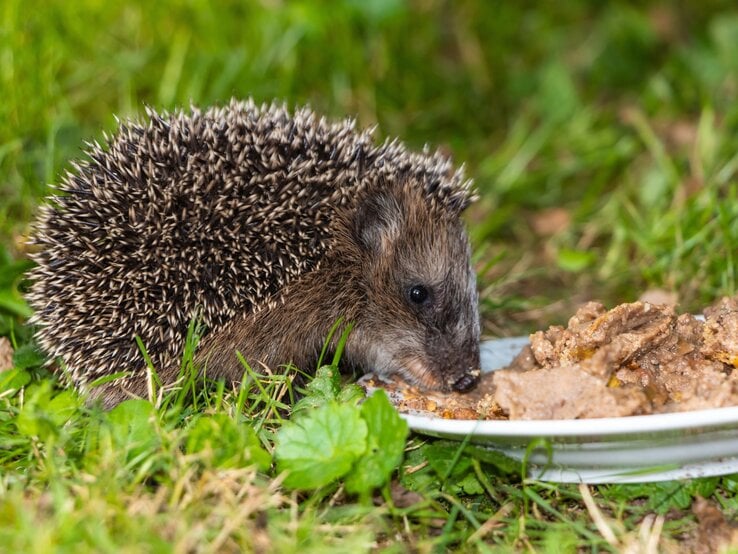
column 410, row 243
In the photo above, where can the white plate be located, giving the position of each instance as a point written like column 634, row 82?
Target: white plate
column 631, row 449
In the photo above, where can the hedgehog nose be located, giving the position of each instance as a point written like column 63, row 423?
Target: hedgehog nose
column 466, row 382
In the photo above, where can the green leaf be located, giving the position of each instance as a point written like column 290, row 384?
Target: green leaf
column 386, row 434
column 667, row 495
column 495, row 458
column 703, row 487
column 444, row 458
column 468, row 484
column 132, row 425
column 226, row 443
column 13, row 302
column 432, row 467
column 321, row 446
column 417, row 474
column 559, row 537
column 730, row 482
column 574, row 260
column 454, row 468
column 323, row 388
column 351, row 394
column 43, row 414
column 14, row 379
column 63, row 406
column 12, row 271
column 28, row 356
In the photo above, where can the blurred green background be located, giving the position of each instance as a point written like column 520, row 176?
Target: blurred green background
column 601, row 136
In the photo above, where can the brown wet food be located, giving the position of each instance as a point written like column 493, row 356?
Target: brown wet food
column 476, row 404
column 638, row 358
column 720, row 334
column 576, row 394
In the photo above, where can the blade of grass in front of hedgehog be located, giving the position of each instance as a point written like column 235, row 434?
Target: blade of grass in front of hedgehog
column 327, row 341
column 153, row 383
column 190, row 380
column 340, row 345
column 266, row 403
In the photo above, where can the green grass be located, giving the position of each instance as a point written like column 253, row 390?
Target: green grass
column 616, row 122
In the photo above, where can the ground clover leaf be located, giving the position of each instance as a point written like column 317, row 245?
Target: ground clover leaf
column 386, row 436
column 131, row 426
column 225, row 443
column 321, row 446
column 323, row 388
column 44, row 414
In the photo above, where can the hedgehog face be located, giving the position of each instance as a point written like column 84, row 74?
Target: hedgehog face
column 420, row 318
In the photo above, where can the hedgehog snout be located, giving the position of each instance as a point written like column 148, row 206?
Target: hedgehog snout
column 467, row 382
column 454, row 358
column 462, row 370
column 436, row 363
column 442, row 363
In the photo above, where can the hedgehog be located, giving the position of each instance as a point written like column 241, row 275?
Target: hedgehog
column 269, row 226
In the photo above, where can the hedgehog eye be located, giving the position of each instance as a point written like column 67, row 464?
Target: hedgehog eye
column 418, row 294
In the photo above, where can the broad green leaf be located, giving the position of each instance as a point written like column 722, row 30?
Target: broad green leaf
column 323, row 388
column 27, row 356
column 468, row 484
column 664, row 496
column 454, row 468
column 226, row 443
column 321, row 446
column 574, row 260
column 730, row 483
column 63, row 406
column 14, row 379
column 12, row 271
column 132, row 425
column 703, row 487
column 386, row 434
column 33, row 422
column 494, row 457
column 43, row 413
column 13, row 302
column 351, row 394
column 446, row 460
column 417, row 475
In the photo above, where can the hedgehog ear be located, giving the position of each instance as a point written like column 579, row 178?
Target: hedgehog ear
column 377, row 222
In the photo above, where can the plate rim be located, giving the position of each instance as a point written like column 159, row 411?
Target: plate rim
column 589, row 428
